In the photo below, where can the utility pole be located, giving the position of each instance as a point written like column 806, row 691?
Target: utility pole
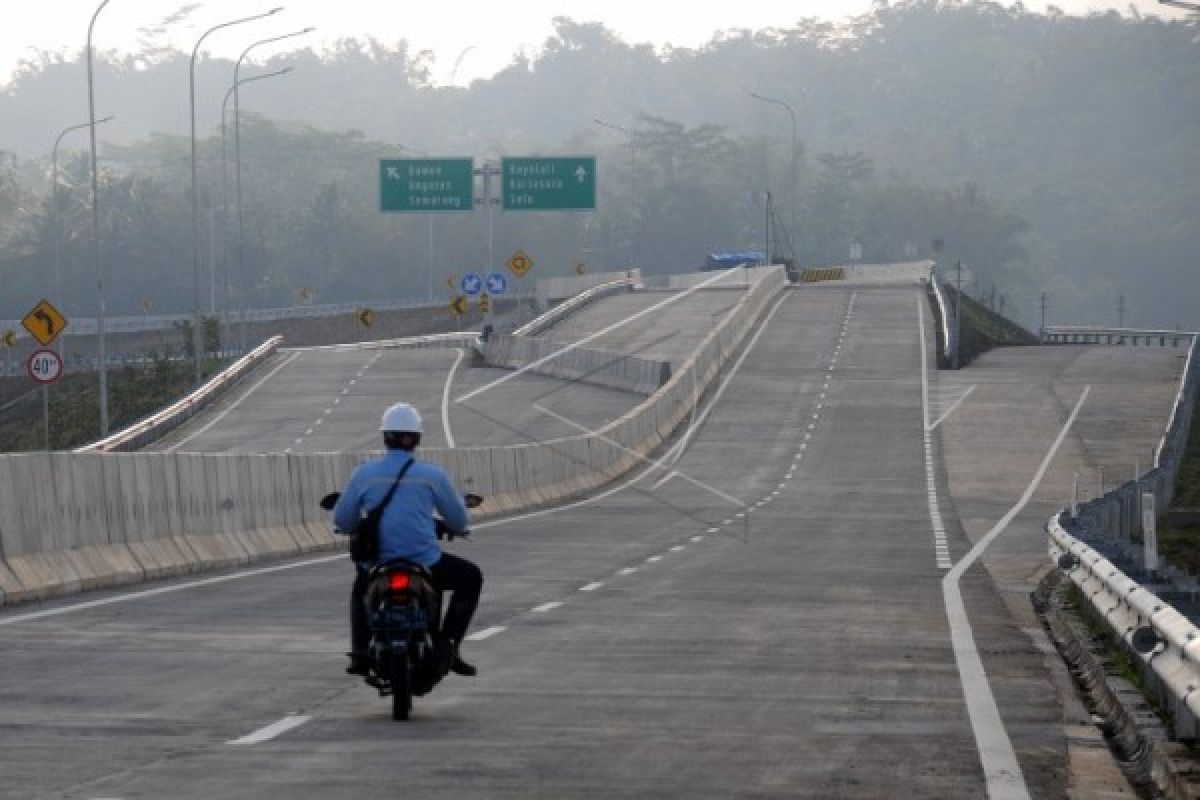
column 768, row 228
column 1042, row 330
column 957, row 313
column 1121, row 311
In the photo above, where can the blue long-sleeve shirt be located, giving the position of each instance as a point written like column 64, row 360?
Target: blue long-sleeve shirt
column 406, row 529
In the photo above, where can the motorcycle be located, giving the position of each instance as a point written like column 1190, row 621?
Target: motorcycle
column 406, row 657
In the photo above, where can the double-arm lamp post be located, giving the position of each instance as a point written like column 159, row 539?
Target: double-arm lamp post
column 197, row 323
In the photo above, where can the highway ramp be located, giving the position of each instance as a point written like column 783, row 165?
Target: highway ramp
column 763, row 618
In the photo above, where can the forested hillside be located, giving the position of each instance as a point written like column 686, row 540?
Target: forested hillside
column 1049, row 153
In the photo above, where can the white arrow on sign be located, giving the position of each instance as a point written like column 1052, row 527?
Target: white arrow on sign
column 581, row 174
column 393, row 173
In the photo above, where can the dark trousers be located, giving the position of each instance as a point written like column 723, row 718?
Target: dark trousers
column 450, row 574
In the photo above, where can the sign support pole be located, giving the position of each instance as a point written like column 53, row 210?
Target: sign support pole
column 46, row 414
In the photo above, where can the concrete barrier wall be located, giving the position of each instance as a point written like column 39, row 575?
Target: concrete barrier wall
column 595, row 366
column 76, row 521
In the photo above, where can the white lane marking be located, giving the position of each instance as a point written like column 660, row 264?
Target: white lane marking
column 318, row 422
column 659, row 463
column 627, row 571
column 714, row 530
column 327, row 411
column 953, row 406
column 308, row 432
column 807, row 436
column 337, row 401
column 653, row 559
column 665, row 478
column 591, row 587
column 544, row 607
column 676, row 548
column 720, row 276
column 232, row 405
column 699, row 538
column 271, row 731
column 346, row 391
column 486, row 633
column 108, row 601
column 287, row 450
column 299, row 441
column 1000, row 766
column 935, row 514
column 446, row 397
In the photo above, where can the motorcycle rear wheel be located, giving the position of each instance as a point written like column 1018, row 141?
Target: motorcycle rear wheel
column 401, row 688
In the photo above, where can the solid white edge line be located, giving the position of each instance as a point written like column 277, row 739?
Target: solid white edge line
column 446, row 397
column 271, row 731
column 953, row 406
column 608, row 329
column 108, row 601
column 232, row 405
column 1001, row 769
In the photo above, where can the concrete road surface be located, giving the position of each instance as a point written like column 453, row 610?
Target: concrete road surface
column 764, row 618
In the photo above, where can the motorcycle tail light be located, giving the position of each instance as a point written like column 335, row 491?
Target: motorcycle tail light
column 399, row 581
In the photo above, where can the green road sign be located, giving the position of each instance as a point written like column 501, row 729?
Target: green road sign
column 426, row 184
column 549, row 184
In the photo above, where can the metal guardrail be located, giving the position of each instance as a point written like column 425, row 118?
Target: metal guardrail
column 1103, row 561
column 1133, row 337
column 541, row 323
column 949, row 341
column 156, row 425
column 86, row 326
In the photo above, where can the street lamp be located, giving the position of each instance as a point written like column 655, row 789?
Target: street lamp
column 632, row 161
column 197, row 337
column 795, row 176
column 54, row 203
column 237, row 161
column 224, row 180
column 100, row 299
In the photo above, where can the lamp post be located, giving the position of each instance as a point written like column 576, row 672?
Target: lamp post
column 632, row 166
column 100, row 298
column 237, row 168
column 225, row 181
column 197, row 336
column 795, row 176
column 55, row 227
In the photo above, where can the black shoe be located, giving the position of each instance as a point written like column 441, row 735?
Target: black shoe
column 359, row 665
column 460, row 667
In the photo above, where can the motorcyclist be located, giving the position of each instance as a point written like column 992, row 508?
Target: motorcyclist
column 407, row 530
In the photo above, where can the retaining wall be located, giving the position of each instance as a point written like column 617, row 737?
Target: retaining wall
column 595, row 366
column 75, row 521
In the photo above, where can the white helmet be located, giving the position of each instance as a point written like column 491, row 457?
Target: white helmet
column 402, row 417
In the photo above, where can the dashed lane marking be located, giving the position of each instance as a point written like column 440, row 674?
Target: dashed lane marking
column 591, row 587
column 544, row 607
column 486, row 633
column 269, row 732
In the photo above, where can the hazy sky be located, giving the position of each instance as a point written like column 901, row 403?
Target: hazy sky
column 493, row 31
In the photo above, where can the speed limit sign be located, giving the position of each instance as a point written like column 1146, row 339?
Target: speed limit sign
column 45, row 366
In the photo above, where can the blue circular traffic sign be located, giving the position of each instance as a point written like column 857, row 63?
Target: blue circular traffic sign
column 471, row 284
column 497, row 283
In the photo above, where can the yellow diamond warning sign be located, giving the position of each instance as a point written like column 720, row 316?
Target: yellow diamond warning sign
column 520, row 263
column 44, row 322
